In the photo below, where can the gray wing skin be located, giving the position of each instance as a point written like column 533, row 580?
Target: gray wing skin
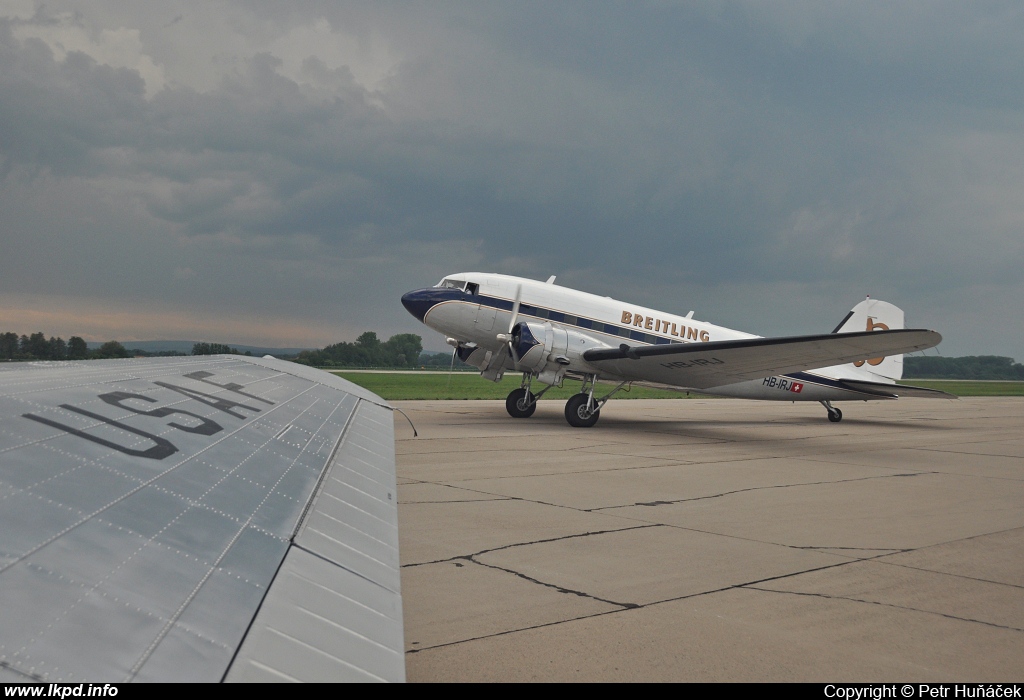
column 196, row 519
column 896, row 390
column 706, row 365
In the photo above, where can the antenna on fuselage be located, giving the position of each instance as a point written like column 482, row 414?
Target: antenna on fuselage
column 551, row 280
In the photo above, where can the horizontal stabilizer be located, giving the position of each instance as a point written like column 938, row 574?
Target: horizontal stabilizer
column 901, row 390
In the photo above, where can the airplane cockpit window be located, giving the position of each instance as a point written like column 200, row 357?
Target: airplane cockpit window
column 472, row 288
column 452, row 284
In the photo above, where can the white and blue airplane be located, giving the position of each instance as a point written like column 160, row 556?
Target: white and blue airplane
column 499, row 323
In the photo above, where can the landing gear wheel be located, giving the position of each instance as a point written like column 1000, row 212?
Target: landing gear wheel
column 835, row 415
column 577, row 414
column 520, row 404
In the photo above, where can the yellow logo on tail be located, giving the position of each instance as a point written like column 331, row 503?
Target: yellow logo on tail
column 872, row 326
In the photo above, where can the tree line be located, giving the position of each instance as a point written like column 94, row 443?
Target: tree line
column 988, row 367
column 402, row 350
column 405, row 350
column 38, row 347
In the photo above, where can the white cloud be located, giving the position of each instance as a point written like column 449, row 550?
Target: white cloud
column 369, row 59
column 17, row 9
column 118, row 48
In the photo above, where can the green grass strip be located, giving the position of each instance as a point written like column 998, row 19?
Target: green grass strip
column 967, row 387
column 416, row 386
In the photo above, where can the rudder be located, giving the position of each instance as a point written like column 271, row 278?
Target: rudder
column 875, row 315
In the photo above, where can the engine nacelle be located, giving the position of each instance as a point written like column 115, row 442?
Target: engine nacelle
column 533, row 343
column 548, row 351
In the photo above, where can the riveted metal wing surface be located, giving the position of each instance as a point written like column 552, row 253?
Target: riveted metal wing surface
column 196, row 519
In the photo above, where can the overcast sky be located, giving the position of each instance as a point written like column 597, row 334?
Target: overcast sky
column 279, row 173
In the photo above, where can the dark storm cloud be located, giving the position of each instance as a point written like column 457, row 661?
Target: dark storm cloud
column 740, row 156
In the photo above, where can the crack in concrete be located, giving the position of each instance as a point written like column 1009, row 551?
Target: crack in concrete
column 560, row 538
column 946, row 573
column 888, row 605
column 624, row 608
column 492, row 499
column 560, row 589
column 887, row 550
column 506, row 632
column 753, row 488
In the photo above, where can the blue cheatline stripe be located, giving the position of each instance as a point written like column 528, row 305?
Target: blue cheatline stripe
column 545, row 314
column 807, row 377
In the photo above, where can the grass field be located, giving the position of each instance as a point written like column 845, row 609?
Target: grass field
column 966, row 387
column 414, row 386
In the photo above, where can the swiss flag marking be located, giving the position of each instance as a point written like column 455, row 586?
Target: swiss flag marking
column 797, row 387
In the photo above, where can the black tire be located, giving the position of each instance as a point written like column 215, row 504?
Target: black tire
column 515, row 404
column 835, row 415
column 576, row 412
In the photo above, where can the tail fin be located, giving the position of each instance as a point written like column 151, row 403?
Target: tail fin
column 874, row 315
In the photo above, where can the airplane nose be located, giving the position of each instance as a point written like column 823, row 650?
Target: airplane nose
column 418, row 302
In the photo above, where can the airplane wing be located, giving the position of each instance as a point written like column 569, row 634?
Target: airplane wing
column 892, row 391
column 706, row 365
column 196, row 519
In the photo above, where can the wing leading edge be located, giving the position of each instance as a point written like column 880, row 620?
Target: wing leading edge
column 149, row 509
column 706, row 365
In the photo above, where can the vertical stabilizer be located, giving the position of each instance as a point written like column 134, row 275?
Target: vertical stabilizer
column 874, row 315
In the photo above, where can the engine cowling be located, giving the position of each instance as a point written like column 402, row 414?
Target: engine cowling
column 548, row 351
column 532, row 344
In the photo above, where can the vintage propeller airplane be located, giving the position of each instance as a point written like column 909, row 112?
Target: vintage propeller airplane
column 500, row 323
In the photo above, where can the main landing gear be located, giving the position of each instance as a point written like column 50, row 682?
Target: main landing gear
column 581, row 410
column 834, row 414
column 521, row 402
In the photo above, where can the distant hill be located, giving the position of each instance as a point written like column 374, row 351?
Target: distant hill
column 185, row 347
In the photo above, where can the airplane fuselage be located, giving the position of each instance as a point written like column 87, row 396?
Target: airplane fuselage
column 475, row 311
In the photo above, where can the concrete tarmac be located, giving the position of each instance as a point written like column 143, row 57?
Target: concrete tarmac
column 714, row 540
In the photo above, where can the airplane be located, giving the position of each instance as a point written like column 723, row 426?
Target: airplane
column 500, row 323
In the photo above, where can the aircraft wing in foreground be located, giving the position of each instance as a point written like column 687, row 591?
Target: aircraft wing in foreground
column 196, row 519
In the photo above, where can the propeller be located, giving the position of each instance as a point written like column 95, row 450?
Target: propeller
column 451, row 369
column 509, row 337
column 455, row 351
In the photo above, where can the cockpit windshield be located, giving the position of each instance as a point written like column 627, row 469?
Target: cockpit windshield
column 452, row 284
column 461, row 285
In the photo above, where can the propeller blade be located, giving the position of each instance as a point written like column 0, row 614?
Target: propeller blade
column 515, row 307
column 451, row 369
column 512, row 324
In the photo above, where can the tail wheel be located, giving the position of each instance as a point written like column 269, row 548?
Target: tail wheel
column 520, row 404
column 835, row 415
column 577, row 413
